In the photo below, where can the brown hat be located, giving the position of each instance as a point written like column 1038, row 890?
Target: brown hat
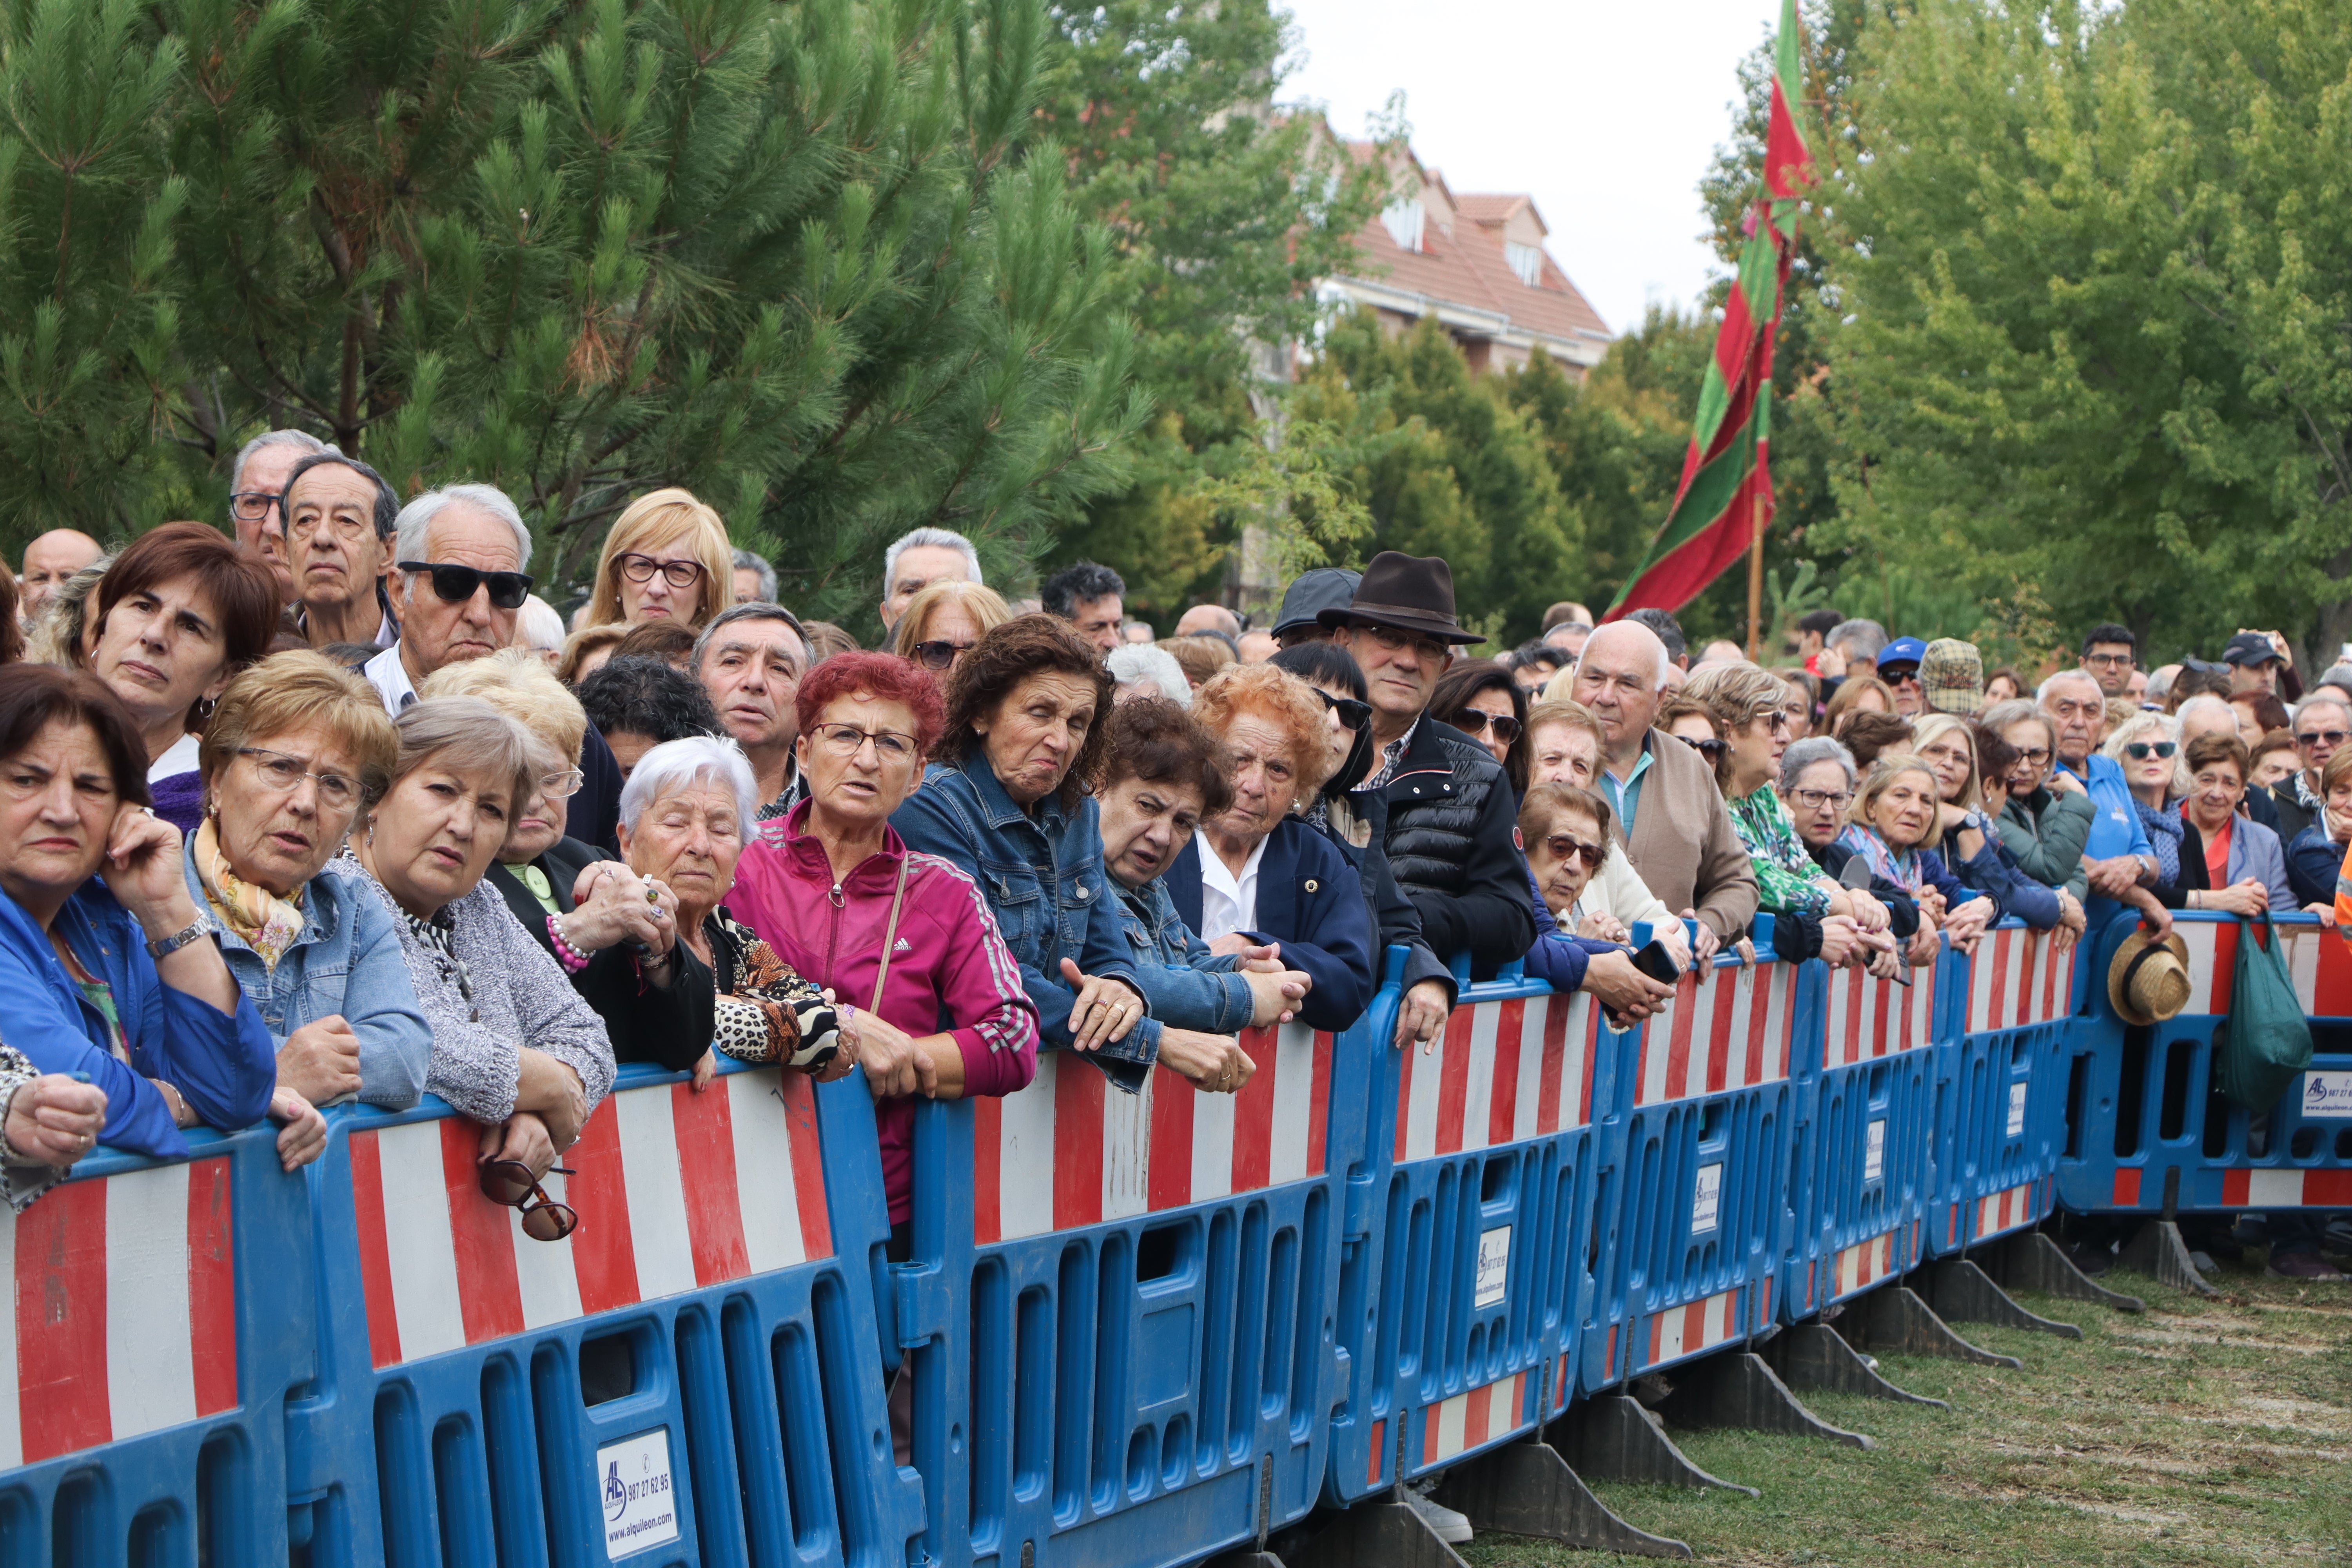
column 1410, row 592
column 1951, row 677
column 2148, row 980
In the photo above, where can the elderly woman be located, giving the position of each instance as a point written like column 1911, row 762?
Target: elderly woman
column 927, row 991
column 1689, row 720
column 664, row 558
column 1005, row 802
column 2228, row 861
column 2147, row 750
column 1565, row 745
column 1894, row 827
column 296, row 752
column 1479, row 697
column 177, row 615
column 116, row 980
column 1856, row 694
column 1256, row 874
column 943, row 622
column 2047, row 818
column 1947, row 744
column 1813, row 916
column 514, row 1046
column 1143, row 670
column 1566, row 829
column 612, row 931
column 1817, row 784
column 1165, row 774
column 2318, row 852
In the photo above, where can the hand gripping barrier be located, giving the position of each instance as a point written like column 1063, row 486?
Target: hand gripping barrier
column 1704, row 1093
column 2001, row 1075
column 691, row 1377
column 158, row 1314
column 1864, row 1142
column 1121, row 1306
column 2144, row 1131
column 1469, row 1232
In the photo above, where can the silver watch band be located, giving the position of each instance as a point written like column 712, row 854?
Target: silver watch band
column 179, row 939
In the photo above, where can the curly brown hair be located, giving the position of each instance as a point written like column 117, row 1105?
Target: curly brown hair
column 1153, row 740
column 999, row 661
column 1281, row 698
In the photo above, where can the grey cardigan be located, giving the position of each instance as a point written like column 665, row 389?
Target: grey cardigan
column 520, row 997
column 2048, row 843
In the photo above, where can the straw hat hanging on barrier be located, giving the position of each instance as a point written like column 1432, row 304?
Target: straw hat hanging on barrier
column 2148, row 980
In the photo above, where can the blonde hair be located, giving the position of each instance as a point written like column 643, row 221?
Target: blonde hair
column 1882, row 774
column 1927, row 727
column 1278, row 695
column 518, row 683
column 297, row 688
column 657, row 518
column 985, row 605
column 1568, row 712
column 587, row 640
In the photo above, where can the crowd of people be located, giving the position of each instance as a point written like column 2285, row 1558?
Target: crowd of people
column 329, row 805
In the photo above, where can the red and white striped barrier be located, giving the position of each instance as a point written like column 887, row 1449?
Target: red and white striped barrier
column 2019, row 977
column 1472, row 1419
column 1731, row 1031
column 1870, row 1017
column 1863, row 1265
column 2004, row 1210
column 122, row 1309
column 1503, row 1072
column 1070, row 1150
column 2316, row 959
column 1678, row 1331
column 676, row 1191
column 2287, row 1189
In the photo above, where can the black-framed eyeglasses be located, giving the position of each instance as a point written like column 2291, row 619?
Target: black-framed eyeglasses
column 940, row 655
column 284, row 773
column 2324, row 738
column 509, row 1182
column 2039, row 756
column 639, row 568
column 2138, row 751
column 1353, row 714
column 252, row 505
column 1814, row 799
column 459, row 583
column 1478, row 721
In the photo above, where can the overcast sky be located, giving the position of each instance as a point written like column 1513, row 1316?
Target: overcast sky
column 1607, row 114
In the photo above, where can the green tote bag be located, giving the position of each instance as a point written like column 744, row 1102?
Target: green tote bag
column 2269, row 1039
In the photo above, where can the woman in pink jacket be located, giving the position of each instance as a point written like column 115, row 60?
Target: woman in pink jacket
column 824, row 885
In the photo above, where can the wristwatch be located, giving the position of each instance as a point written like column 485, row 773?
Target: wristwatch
column 165, row 947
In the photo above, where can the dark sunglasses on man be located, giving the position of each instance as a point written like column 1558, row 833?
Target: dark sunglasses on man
column 1475, row 722
column 1353, row 715
column 2322, row 737
column 938, row 654
column 458, row 583
column 509, row 1182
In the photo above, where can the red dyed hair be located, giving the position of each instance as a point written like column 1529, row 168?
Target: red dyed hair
column 883, row 674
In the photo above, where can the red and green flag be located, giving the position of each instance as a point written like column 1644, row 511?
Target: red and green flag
column 1726, row 494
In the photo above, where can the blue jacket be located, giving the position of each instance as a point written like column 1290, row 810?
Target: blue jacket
column 2116, row 827
column 2312, row 863
column 1309, row 901
column 1560, row 958
column 1189, row 987
column 223, row 1064
column 1994, row 872
column 347, row 961
column 1044, row 880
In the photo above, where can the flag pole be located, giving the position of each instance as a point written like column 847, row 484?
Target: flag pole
column 1756, row 579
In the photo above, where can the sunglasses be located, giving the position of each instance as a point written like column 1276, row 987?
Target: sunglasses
column 1710, row 750
column 459, row 583
column 1902, row 678
column 1475, row 722
column 509, row 1182
column 938, row 654
column 2137, row 751
column 2324, row 737
column 1565, row 847
column 1353, row 715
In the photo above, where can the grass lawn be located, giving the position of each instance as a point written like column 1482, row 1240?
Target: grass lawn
column 2205, row 1431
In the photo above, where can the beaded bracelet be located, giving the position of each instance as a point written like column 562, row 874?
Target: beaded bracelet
column 571, row 957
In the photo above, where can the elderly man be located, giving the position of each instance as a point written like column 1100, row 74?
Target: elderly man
column 1257, row 646
column 339, row 515
column 1568, row 638
column 2117, row 856
column 1091, row 597
column 50, row 560
column 1666, row 810
column 2254, row 661
column 257, row 482
column 1851, row 648
column 2323, row 721
column 918, row 559
column 755, row 579
column 456, row 583
column 2111, row 653
column 1209, row 618
column 1310, row 595
column 750, row 660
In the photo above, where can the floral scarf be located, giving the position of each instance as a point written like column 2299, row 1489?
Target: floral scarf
column 1900, row 866
column 266, row 922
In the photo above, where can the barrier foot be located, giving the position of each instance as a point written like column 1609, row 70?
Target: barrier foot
column 1389, row 1534
column 1615, row 1439
column 1527, row 1489
column 1739, row 1389
column 2159, row 1252
column 1894, row 1319
column 1811, row 1356
column 1965, row 1293
column 2030, row 1260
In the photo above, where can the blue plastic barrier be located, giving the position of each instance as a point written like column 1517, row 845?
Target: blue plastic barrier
column 2002, row 1082
column 159, row 1310
column 1121, row 1306
column 691, row 1377
column 2143, row 1128
column 1460, row 1304
column 1707, row 1097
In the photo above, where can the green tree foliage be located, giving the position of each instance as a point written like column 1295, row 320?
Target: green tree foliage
column 813, row 261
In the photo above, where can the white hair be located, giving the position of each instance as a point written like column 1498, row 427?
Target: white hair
column 747, row 562
column 2165, row 726
column 2041, row 692
column 2319, row 696
column 1860, row 638
column 310, row 446
column 1134, row 663
column 416, row 519
column 2199, row 704
column 539, row 625
column 1659, row 682
column 936, row 539
column 679, row 765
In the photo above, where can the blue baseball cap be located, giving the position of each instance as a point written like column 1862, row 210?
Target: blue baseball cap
column 1901, row 650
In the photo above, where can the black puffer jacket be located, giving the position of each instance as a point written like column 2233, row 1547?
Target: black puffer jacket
column 1453, row 845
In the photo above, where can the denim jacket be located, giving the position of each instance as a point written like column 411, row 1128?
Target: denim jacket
column 1189, row 987
column 1042, row 874
column 347, row 961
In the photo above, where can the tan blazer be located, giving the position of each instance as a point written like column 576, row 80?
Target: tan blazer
column 1684, row 844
